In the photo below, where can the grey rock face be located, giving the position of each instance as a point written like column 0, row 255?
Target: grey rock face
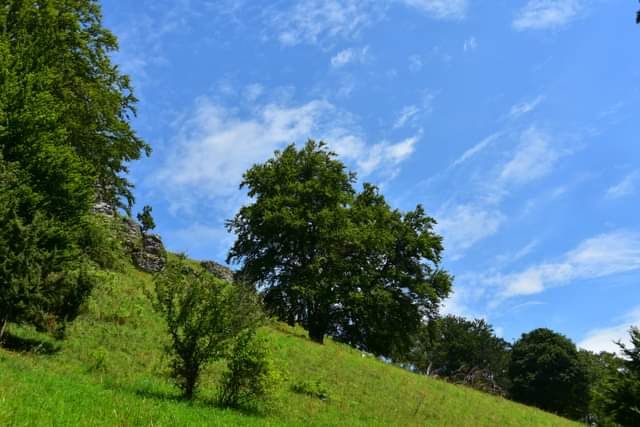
column 132, row 234
column 151, row 257
column 103, row 208
column 220, row 271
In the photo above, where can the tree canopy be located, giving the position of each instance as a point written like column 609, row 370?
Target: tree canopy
column 66, row 107
column 334, row 260
column 546, row 372
column 622, row 394
column 462, row 350
column 65, row 139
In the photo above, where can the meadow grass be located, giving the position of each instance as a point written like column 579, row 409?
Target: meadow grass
column 110, row 370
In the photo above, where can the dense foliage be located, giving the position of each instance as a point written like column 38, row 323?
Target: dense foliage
column 463, row 351
column 250, row 377
column 337, row 262
column 66, row 107
column 65, row 138
column 146, row 219
column 546, row 372
column 621, row 399
column 202, row 315
column 44, row 275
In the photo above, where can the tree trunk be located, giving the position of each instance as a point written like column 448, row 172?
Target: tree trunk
column 3, row 328
column 316, row 334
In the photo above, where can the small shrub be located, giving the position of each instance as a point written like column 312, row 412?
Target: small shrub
column 146, row 219
column 315, row 389
column 99, row 360
column 250, row 378
column 202, row 315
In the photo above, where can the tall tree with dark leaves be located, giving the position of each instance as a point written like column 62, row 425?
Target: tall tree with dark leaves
column 64, row 133
column 337, row 262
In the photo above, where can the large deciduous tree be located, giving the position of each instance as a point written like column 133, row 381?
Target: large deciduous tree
column 65, row 99
column 337, row 262
column 545, row 371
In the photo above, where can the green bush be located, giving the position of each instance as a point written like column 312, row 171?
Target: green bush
column 250, row 378
column 202, row 314
column 315, row 389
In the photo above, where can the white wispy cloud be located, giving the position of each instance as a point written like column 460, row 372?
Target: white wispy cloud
column 323, row 21
column 406, row 115
column 349, row 56
column 415, row 63
column 525, row 107
column 471, row 221
column 604, row 339
column 534, row 158
column 470, row 44
column 604, row 255
column 625, row 187
column 215, row 146
column 547, row 14
column 441, row 9
column 253, row 91
column 464, row 225
column 476, row 149
column 326, row 21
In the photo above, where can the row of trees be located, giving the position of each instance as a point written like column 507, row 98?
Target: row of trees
column 65, row 138
column 542, row 368
column 343, row 263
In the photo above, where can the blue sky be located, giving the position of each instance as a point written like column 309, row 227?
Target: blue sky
column 514, row 122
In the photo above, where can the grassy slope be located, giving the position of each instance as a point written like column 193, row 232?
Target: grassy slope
column 110, row 371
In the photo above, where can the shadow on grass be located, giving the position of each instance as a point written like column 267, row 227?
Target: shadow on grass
column 160, row 395
column 28, row 345
column 204, row 402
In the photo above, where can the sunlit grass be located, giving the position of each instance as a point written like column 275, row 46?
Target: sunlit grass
column 111, row 371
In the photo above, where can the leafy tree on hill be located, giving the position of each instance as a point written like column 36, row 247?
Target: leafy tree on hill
column 337, row 262
column 602, row 368
column 64, row 99
column 622, row 395
column 64, row 130
column 545, row 371
column 462, row 350
column 44, row 276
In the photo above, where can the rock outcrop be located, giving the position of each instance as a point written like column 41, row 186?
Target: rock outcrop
column 103, row 208
column 147, row 250
column 218, row 270
column 151, row 257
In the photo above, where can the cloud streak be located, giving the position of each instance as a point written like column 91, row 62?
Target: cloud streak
column 603, row 255
column 546, row 14
column 624, row 188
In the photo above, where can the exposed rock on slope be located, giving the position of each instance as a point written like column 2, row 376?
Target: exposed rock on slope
column 151, row 257
column 219, row 270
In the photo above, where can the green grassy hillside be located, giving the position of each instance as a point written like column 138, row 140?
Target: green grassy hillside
column 110, row 371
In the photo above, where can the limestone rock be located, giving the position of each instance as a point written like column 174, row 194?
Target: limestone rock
column 218, row 270
column 103, row 208
column 132, row 235
column 151, row 257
